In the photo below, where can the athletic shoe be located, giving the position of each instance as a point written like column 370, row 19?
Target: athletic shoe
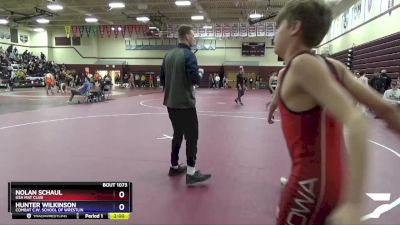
column 196, row 178
column 174, row 172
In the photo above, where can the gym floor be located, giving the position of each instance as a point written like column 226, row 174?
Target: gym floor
column 128, row 139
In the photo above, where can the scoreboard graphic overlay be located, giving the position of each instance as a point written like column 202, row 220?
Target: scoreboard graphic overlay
column 70, row 200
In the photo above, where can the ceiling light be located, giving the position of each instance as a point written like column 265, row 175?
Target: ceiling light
column 143, row 19
column 116, row 5
column 112, row 28
column 3, row 21
column 153, row 28
column 119, row 28
column 183, row 3
column 91, row 20
column 55, row 6
column 255, row 16
column 207, row 27
column 42, row 20
column 38, row 29
column 197, row 17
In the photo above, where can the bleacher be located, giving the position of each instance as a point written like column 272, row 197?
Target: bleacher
column 383, row 53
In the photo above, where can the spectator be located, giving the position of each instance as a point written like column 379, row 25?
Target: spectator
column 386, row 81
column 42, row 56
column 217, row 80
column 143, row 80
column 393, row 94
column 80, row 91
column 210, row 81
column 151, row 80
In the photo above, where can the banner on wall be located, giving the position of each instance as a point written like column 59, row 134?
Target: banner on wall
column 385, row 5
column 270, row 29
column 202, row 31
column 130, row 30
column 211, row 31
column 243, row 30
column 260, row 29
column 345, row 21
column 74, row 31
column 227, row 30
column 195, row 29
column 88, row 29
column 355, row 15
column 123, row 30
column 116, row 30
column 81, row 30
column 108, row 30
column 252, row 31
column 23, row 38
column 235, row 30
column 361, row 12
column 170, row 32
column 217, row 30
column 67, row 29
column 102, row 30
column 95, row 30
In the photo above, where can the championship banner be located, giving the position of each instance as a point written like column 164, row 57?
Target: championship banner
column 210, row 32
column 196, row 30
column 145, row 29
column 88, row 29
column 260, row 29
column 252, row 31
column 74, row 31
column 227, row 29
column 170, row 33
column 68, row 30
column 243, row 30
column 202, row 31
column 81, row 30
column 235, row 30
column 175, row 30
column 218, row 30
column 270, row 29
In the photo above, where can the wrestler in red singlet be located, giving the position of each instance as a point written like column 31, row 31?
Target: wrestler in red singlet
column 314, row 140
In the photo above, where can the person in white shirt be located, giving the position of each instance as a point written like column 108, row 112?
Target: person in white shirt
column 393, row 95
column 363, row 79
column 217, row 79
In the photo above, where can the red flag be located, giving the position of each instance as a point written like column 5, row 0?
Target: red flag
column 130, row 30
column 74, row 31
column 102, row 30
column 108, row 29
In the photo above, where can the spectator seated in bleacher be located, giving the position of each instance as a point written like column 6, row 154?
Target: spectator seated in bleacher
column 393, row 94
column 32, row 66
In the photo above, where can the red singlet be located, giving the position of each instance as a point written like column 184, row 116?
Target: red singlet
column 314, row 140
